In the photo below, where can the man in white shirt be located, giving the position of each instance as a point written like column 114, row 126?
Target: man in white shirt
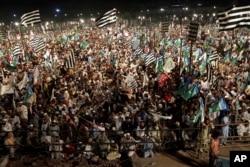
column 128, row 144
column 246, row 114
column 6, row 127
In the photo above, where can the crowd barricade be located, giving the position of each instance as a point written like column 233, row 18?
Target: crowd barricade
column 170, row 139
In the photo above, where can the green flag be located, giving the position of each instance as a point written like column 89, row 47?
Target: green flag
column 10, row 68
column 64, row 39
column 159, row 64
column 200, row 114
column 180, row 90
column 84, row 45
column 194, row 90
column 214, row 107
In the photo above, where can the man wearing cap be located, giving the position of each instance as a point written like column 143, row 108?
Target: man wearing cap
column 54, row 128
column 56, row 147
column 128, row 144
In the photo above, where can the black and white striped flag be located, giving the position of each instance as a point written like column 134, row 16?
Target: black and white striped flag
column 128, row 43
column 138, row 51
column 69, row 62
column 107, row 18
column 150, row 58
column 164, row 26
column 16, row 51
column 131, row 82
column 213, row 59
column 31, row 18
column 234, row 18
column 34, row 42
column 40, row 46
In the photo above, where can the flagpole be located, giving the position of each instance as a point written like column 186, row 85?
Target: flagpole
column 180, row 55
column 190, row 57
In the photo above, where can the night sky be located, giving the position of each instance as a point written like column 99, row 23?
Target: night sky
column 73, row 7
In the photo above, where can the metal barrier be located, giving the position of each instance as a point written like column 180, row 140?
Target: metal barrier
column 170, row 139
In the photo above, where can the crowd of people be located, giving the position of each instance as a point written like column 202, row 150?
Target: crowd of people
column 97, row 93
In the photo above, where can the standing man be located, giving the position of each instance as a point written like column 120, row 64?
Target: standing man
column 225, row 128
column 214, row 148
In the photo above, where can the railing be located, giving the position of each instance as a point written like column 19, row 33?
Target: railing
column 169, row 138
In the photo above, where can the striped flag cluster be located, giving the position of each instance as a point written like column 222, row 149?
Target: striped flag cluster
column 16, row 51
column 149, row 59
column 69, row 62
column 31, row 18
column 234, row 18
column 107, row 18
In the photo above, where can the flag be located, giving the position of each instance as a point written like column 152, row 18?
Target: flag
column 84, row 45
column 16, row 50
column 28, row 94
column 2, row 34
column 70, row 60
column 169, row 65
column 47, row 59
column 234, row 18
column 194, row 90
column 145, row 79
column 213, row 59
column 149, row 58
column 31, row 18
column 7, row 89
column 128, row 43
column 220, row 105
column 13, row 61
column 180, row 90
column 107, row 18
column 40, row 46
column 34, row 42
column 164, row 26
column 159, row 64
column 163, row 79
column 135, row 44
column 64, row 39
column 22, row 84
column 36, row 76
column 138, row 51
column 200, row 114
column 131, row 82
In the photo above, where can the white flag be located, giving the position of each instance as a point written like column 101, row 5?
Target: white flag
column 36, row 75
column 7, row 89
column 23, row 82
column 169, row 65
column 145, row 79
